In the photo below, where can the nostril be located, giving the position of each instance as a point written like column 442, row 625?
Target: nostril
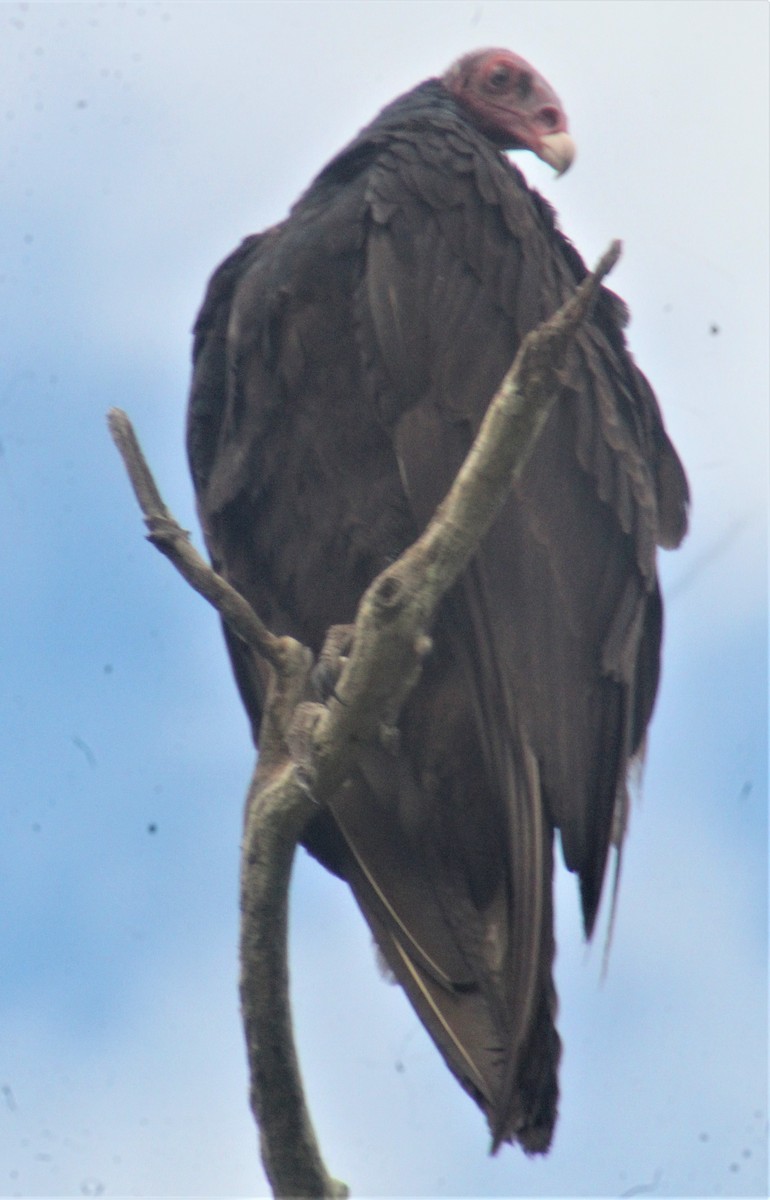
column 548, row 117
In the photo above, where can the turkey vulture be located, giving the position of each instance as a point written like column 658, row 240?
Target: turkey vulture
column 343, row 360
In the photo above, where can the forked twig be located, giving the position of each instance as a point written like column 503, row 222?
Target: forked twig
column 390, row 640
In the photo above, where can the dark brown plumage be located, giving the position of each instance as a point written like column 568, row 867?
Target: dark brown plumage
column 343, row 362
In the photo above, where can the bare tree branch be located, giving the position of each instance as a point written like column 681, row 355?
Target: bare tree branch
column 277, row 810
column 168, row 536
column 276, row 814
column 307, row 749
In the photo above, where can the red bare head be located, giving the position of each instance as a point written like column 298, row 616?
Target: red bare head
column 512, row 104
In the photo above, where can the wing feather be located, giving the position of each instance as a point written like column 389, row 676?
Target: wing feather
column 568, row 572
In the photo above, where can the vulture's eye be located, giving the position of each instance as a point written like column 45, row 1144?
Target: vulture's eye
column 499, row 79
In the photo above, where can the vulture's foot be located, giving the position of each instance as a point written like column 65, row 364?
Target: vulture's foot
column 332, row 660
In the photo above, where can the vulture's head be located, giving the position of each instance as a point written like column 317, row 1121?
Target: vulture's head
column 512, row 104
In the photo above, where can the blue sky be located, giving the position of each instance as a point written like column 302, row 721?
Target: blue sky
column 139, row 143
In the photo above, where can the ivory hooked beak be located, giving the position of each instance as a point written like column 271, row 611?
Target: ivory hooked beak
column 558, row 150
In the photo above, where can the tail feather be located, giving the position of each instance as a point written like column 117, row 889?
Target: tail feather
column 475, row 962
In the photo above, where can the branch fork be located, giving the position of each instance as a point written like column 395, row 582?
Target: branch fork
column 308, row 749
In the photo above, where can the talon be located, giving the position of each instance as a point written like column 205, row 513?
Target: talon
column 332, row 661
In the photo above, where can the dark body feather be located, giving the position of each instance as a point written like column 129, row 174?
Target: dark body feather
column 343, row 362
